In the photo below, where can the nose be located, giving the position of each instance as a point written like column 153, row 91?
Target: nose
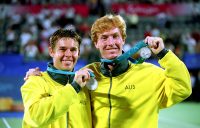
column 110, row 41
column 68, row 52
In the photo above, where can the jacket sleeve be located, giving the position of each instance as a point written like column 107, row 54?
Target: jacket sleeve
column 177, row 84
column 42, row 107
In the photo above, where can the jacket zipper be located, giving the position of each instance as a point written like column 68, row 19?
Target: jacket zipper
column 67, row 112
column 109, row 99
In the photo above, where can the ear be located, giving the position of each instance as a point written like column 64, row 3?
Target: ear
column 123, row 41
column 51, row 52
column 96, row 45
column 79, row 53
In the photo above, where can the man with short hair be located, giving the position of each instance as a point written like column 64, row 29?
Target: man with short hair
column 54, row 100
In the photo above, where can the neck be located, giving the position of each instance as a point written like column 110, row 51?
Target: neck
column 111, row 67
column 115, row 68
column 60, row 76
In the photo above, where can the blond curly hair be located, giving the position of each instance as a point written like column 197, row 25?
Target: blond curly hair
column 106, row 23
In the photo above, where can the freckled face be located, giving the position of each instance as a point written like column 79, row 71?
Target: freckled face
column 65, row 54
column 110, row 43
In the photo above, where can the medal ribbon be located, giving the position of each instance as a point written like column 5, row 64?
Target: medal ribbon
column 128, row 54
column 65, row 72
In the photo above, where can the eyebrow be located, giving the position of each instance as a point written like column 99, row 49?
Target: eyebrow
column 110, row 34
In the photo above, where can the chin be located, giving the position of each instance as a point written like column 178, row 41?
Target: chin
column 111, row 58
column 68, row 68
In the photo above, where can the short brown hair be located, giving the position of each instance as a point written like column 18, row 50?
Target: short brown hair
column 108, row 22
column 60, row 33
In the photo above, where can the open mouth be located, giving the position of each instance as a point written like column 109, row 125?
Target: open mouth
column 67, row 61
column 111, row 49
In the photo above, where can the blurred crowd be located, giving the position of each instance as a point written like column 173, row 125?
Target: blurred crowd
column 86, row 1
column 28, row 34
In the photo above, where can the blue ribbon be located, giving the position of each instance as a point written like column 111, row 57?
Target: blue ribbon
column 65, row 72
column 128, row 54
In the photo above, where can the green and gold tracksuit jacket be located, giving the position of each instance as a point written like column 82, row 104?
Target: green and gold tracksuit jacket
column 131, row 95
column 54, row 103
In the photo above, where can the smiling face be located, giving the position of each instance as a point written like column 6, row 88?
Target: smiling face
column 65, row 53
column 110, row 43
column 108, row 33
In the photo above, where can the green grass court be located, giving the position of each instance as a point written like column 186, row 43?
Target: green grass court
column 183, row 115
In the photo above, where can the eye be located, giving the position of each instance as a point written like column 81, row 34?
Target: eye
column 115, row 36
column 62, row 49
column 74, row 49
column 104, row 37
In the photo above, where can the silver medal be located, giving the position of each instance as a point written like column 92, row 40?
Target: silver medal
column 92, row 84
column 145, row 52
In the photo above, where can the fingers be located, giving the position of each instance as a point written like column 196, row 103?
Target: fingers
column 32, row 72
column 37, row 69
column 155, row 44
column 85, row 76
column 82, row 76
column 90, row 72
column 26, row 77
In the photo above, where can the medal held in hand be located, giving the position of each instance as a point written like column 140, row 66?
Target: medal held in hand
column 91, row 84
column 140, row 47
column 145, row 52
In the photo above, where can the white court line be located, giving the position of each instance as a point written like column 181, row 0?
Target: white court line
column 6, row 123
column 182, row 124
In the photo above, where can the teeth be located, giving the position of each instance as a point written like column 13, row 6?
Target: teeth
column 110, row 49
column 67, row 61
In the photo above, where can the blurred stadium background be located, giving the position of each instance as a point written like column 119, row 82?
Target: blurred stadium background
column 25, row 26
